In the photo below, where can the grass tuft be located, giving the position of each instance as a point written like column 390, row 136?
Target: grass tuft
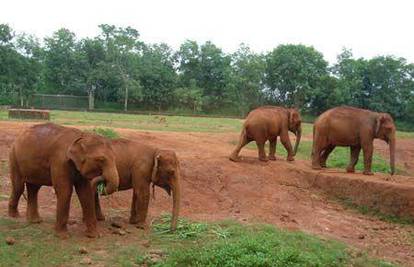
column 105, row 132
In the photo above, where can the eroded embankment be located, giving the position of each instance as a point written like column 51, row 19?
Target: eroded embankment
column 393, row 195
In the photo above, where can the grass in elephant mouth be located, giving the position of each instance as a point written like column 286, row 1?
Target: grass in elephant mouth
column 225, row 243
column 339, row 158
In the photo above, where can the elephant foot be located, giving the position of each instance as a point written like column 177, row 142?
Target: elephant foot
column 264, row 159
column 141, row 225
column 62, row 234
column 14, row 213
column 92, row 233
column 290, row 158
column 272, row 158
column 234, row 158
column 133, row 220
column 316, row 167
column 100, row 217
column 350, row 170
column 34, row 220
column 368, row 173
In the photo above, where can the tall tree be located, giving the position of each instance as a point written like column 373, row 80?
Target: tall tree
column 293, row 72
column 63, row 64
column 248, row 73
column 158, row 76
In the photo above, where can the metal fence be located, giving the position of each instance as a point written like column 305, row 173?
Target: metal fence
column 46, row 101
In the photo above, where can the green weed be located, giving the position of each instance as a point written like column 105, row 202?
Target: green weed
column 377, row 213
column 105, row 132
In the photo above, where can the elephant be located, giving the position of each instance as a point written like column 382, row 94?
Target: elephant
column 139, row 166
column 353, row 127
column 62, row 157
column 267, row 123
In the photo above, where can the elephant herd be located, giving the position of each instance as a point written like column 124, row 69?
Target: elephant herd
column 67, row 158
column 340, row 126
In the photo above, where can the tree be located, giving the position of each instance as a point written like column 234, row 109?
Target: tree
column 20, row 68
column 293, row 73
column 248, row 73
column 189, row 97
column 123, row 49
column 63, row 64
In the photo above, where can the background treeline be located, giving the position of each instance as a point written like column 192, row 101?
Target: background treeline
column 120, row 70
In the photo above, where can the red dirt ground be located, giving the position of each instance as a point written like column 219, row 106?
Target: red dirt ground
column 215, row 188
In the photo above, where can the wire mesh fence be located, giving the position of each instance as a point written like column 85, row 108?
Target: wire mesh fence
column 46, row 101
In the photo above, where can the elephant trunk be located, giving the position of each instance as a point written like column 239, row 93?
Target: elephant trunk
column 110, row 177
column 392, row 155
column 298, row 136
column 176, row 200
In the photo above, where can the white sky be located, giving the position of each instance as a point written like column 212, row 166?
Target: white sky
column 368, row 27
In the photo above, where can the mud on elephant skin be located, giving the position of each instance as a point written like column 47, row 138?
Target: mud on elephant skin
column 139, row 166
column 353, row 127
column 266, row 124
column 52, row 155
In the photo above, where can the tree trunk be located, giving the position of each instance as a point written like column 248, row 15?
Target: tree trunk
column 126, row 99
column 91, row 98
column 21, row 96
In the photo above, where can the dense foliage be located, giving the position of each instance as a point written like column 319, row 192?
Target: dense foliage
column 118, row 67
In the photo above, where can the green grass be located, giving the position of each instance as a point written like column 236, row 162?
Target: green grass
column 147, row 122
column 33, row 247
column 232, row 244
column 226, row 243
column 105, row 132
column 377, row 213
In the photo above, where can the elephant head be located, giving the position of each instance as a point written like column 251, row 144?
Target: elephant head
column 94, row 158
column 295, row 127
column 167, row 175
column 385, row 130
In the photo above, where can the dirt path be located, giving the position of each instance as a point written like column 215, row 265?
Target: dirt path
column 215, row 188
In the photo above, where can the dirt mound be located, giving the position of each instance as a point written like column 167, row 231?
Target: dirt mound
column 289, row 195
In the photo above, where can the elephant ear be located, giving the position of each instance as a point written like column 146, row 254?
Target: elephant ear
column 76, row 153
column 293, row 117
column 383, row 121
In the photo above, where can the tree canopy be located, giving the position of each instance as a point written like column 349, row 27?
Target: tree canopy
column 117, row 68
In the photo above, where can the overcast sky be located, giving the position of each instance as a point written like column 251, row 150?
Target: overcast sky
column 368, row 27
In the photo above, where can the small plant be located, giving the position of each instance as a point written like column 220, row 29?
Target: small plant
column 100, row 188
column 185, row 229
column 105, row 132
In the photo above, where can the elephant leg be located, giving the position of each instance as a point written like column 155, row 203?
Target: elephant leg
column 242, row 142
column 261, row 151
column 133, row 219
column 141, row 197
column 17, row 189
column 354, row 158
column 86, row 197
column 32, row 212
column 98, row 210
column 325, row 154
column 63, row 195
column 284, row 138
column 368, row 149
column 272, row 149
column 319, row 145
